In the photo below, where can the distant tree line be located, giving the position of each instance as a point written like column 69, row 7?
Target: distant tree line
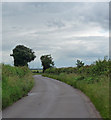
column 23, row 55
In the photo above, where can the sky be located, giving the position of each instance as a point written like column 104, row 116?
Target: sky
column 66, row 30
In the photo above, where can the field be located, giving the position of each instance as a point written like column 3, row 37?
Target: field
column 36, row 71
column 16, row 83
column 93, row 80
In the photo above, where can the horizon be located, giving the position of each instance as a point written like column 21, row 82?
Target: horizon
column 41, row 68
column 56, row 29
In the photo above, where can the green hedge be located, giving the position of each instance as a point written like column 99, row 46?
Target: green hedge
column 99, row 67
column 92, row 79
column 16, row 83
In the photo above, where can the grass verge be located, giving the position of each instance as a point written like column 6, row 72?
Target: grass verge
column 16, row 83
column 96, row 88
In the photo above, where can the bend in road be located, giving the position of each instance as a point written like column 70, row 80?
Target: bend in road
column 52, row 99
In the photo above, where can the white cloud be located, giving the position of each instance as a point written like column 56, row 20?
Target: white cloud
column 69, row 31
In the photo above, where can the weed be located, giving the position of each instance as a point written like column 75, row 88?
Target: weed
column 16, row 83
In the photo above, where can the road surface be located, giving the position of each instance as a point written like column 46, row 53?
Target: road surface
column 52, row 99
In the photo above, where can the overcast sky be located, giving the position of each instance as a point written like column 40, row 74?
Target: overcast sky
column 67, row 31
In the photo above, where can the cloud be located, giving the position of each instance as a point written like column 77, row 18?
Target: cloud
column 67, row 31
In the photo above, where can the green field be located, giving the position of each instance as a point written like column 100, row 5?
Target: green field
column 37, row 71
column 16, row 83
column 93, row 80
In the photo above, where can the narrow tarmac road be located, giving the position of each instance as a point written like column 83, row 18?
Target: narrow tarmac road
column 52, row 99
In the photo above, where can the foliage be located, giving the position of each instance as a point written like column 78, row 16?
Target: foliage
column 79, row 64
column 16, row 83
column 97, row 91
column 92, row 79
column 99, row 67
column 37, row 71
column 47, row 62
column 22, row 55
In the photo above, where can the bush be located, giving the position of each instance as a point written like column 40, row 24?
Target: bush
column 99, row 67
column 16, row 83
column 92, row 79
column 79, row 64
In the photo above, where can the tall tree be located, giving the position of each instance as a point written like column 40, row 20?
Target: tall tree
column 22, row 55
column 47, row 62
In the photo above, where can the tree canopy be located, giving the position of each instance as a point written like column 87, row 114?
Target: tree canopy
column 22, row 55
column 47, row 62
column 79, row 63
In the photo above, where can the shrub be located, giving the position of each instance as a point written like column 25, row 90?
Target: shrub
column 16, row 83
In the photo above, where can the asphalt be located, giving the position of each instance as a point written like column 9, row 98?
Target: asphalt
column 52, row 99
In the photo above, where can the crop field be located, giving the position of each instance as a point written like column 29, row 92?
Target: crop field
column 93, row 80
column 37, row 71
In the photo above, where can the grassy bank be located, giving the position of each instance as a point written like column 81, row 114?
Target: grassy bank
column 93, row 80
column 16, row 83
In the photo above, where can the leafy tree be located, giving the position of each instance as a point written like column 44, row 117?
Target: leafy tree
column 22, row 55
column 47, row 62
column 79, row 63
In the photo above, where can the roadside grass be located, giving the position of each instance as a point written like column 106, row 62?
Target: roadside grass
column 16, row 83
column 93, row 80
column 98, row 92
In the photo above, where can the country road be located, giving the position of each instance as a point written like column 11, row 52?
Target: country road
column 52, row 99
